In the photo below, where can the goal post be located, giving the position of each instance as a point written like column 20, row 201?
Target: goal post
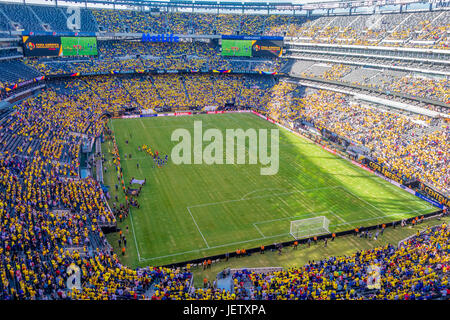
column 305, row 228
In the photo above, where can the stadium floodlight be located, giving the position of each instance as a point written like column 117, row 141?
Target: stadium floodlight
column 305, row 228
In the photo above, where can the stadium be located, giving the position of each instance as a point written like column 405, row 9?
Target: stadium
column 210, row 150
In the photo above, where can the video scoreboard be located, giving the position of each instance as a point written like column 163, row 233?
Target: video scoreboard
column 53, row 46
column 248, row 46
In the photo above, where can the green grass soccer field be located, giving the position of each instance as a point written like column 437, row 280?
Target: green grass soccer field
column 194, row 211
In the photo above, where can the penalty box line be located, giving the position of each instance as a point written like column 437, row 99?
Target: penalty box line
column 265, row 238
column 243, row 199
column 285, row 218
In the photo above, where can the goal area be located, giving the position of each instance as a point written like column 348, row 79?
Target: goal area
column 305, row 228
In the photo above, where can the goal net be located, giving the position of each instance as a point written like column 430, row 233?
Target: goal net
column 306, row 228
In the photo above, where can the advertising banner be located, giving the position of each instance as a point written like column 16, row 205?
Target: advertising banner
column 267, row 48
column 434, row 203
column 433, row 194
column 41, row 46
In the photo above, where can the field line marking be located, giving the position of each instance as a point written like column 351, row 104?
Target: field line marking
column 238, row 200
column 265, row 189
column 142, row 124
column 363, row 200
column 260, row 232
column 339, row 217
column 260, row 197
column 198, row 228
column 215, row 247
column 287, row 218
column 131, row 214
column 378, row 217
column 256, row 239
column 134, row 236
column 405, row 195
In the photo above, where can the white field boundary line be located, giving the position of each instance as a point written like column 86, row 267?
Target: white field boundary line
column 375, row 218
column 198, row 228
column 260, row 232
column 272, row 220
column 363, row 200
column 339, row 217
column 265, row 238
column 134, row 235
column 400, row 191
column 215, row 247
column 258, row 190
column 131, row 214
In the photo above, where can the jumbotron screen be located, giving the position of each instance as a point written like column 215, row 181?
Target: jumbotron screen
column 237, row 48
column 79, row 46
column 252, row 48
